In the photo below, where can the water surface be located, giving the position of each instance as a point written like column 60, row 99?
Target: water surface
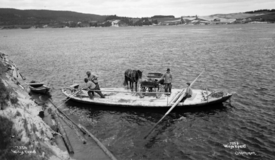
column 236, row 58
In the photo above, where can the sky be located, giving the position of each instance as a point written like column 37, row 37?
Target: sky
column 143, row 8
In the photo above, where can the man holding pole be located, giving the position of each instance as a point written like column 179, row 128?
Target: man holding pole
column 93, row 79
column 91, row 88
column 188, row 92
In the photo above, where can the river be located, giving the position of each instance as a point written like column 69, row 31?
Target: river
column 236, row 58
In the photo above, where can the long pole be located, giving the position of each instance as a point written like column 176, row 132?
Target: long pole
column 85, row 131
column 64, row 135
column 60, row 111
column 177, row 96
column 174, row 105
column 74, row 128
column 99, row 143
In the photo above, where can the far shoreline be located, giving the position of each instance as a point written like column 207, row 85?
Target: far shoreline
column 49, row 27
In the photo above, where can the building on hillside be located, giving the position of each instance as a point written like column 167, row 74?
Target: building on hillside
column 227, row 21
column 167, row 21
column 187, row 19
column 115, row 23
column 240, row 21
column 173, row 22
column 200, row 21
column 118, row 23
column 216, row 20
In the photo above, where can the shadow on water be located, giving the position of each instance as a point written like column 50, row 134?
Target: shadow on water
column 182, row 115
column 146, row 118
column 151, row 115
column 40, row 98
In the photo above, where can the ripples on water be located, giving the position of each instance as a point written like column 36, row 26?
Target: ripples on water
column 237, row 58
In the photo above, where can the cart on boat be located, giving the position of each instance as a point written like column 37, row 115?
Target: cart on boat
column 152, row 83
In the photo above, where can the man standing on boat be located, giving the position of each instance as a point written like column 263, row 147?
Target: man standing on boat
column 93, row 79
column 167, row 77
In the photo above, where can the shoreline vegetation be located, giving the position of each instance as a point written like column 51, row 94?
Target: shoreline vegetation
column 23, row 134
column 26, row 19
column 31, row 130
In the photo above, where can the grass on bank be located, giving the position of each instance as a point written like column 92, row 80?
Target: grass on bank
column 5, row 93
column 9, row 143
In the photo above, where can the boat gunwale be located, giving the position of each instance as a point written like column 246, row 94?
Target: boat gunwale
column 132, row 105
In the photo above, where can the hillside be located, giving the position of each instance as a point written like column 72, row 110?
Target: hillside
column 14, row 18
column 246, row 17
column 270, row 17
column 257, row 15
column 43, row 17
column 234, row 15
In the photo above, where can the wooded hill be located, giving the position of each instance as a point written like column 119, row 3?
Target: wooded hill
column 44, row 17
column 15, row 18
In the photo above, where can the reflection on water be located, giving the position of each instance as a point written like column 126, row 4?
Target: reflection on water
column 237, row 58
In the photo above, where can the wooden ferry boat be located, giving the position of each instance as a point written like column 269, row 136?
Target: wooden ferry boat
column 120, row 97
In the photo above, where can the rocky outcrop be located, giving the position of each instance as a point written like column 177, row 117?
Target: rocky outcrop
column 26, row 135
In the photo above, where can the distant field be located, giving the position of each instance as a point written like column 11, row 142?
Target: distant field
column 229, row 16
column 235, row 15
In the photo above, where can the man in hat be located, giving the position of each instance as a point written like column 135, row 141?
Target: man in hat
column 167, row 77
column 91, row 88
column 93, row 79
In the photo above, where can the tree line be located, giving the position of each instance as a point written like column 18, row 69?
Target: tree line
column 262, row 11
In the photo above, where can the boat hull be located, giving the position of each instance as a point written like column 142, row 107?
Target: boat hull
column 125, row 98
column 41, row 90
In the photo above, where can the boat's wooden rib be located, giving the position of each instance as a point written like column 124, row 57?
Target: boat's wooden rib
column 122, row 98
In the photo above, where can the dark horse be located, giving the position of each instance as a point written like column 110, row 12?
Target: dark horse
column 133, row 76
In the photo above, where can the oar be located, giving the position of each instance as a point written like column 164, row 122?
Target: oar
column 174, row 105
column 178, row 95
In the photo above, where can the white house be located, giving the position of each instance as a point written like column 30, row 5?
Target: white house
column 115, row 23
